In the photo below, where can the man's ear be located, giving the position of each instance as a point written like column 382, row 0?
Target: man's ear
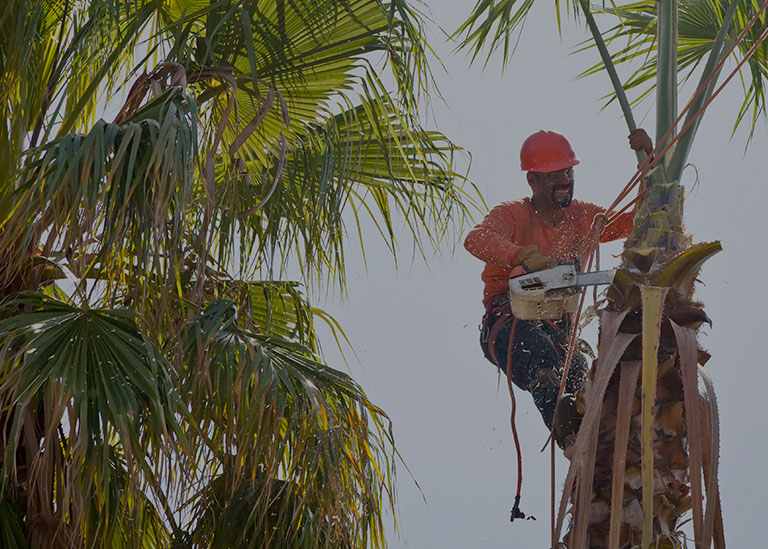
column 531, row 177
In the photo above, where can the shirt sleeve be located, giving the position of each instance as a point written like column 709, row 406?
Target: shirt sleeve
column 491, row 240
column 621, row 227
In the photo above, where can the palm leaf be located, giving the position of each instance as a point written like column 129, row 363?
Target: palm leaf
column 628, row 384
column 120, row 192
column 96, row 379
column 681, row 271
column 699, row 23
column 612, row 346
column 652, row 305
column 308, row 51
column 286, row 425
column 375, row 142
column 362, row 159
column 122, row 517
column 276, row 308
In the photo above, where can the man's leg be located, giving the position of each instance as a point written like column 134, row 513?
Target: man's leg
column 537, row 364
column 547, row 385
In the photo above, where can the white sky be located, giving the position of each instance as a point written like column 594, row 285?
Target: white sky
column 415, row 329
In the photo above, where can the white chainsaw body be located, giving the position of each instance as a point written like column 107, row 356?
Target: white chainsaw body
column 548, row 294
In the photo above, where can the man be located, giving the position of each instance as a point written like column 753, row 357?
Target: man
column 533, row 234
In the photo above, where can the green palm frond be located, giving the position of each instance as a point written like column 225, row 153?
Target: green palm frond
column 27, row 31
column 227, row 516
column 121, row 192
column 93, row 380
column 103, row 41
column 699, row 23
column 289, row 429
column 100, row 355
column 302, row 74
column 753, row 106
column 275, row 308
column 310, row 52
column 493, row 24
column 313, row 74
column 365, row 159
column 57, row 55
column 122, row 518
column 498, row 24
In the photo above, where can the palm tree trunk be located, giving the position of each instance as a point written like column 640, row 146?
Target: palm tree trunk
column 642, row 483
column 616, row 514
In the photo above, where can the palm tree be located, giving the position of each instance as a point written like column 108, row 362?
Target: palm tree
column 161, row 382
column 643, row 449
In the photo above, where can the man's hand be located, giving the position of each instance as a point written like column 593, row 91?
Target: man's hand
column 639, row 141
column 533, row 260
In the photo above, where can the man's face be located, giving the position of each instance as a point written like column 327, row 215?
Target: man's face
column 556, row 187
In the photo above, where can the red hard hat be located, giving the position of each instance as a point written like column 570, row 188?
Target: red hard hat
column 546, row 151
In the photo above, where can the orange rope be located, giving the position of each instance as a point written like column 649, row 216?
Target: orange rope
column 516, row 512
column 632, row 202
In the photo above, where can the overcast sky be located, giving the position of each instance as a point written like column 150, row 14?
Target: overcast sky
column 415, row 328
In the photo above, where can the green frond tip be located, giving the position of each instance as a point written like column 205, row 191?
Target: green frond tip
column 492, row 25
column 678, row 273
column 681, row 271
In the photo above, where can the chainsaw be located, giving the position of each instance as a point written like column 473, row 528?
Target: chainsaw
column 548, row 294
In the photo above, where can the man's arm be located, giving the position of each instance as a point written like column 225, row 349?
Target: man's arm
column 621, row 227
column 492, row 241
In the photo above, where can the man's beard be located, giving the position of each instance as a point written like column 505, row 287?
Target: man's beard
column 562, row 201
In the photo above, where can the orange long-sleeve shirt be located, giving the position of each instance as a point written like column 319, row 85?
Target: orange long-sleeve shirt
column 497, row 239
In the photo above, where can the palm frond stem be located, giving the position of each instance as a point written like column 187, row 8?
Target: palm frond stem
column 708, row 81
column 611, row 70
